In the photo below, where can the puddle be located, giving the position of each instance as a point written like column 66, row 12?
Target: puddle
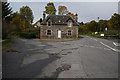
column 13, row 51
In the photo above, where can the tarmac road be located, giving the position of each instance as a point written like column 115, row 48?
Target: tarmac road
column 87, row 57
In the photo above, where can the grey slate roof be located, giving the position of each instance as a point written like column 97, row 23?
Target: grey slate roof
column 59, row 20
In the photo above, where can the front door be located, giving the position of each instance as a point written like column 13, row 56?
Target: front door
column 59, row 33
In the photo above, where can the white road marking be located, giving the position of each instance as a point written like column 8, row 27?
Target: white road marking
column 107, row 49
column 116, row 50
column 116, row 44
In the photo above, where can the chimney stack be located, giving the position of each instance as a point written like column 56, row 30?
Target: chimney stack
column 43, row 16
column 40, row 20
column 76, row 17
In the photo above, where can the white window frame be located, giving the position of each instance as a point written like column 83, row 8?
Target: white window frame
column 48, row 23
column 47, row 32
column 69, row 23
column 68, row 32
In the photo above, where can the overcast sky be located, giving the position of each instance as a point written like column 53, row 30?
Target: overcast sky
column 86, row 11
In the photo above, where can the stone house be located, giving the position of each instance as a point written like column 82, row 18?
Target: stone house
column 59, row 27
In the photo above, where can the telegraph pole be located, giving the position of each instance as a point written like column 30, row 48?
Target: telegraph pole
column 98, row 25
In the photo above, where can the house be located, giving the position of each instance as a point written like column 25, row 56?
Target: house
column 59, row 27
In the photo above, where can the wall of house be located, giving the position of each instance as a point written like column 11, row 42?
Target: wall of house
column 54, row 35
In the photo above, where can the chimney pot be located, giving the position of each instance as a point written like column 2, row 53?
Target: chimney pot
column 43, row 16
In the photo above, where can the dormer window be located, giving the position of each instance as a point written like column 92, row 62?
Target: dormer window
column 69, row 23
column 49, row 23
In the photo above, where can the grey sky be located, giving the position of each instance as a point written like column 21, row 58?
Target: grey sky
column 87, row 11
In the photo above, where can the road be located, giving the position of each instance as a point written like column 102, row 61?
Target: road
column 87, row 57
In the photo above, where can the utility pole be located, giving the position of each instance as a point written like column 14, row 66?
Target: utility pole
column 98, row 25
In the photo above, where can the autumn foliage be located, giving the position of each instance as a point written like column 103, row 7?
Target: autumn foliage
column 71, row 14
column 62, row 10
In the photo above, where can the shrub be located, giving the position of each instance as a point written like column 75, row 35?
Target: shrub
column 112, row 32
column 27, row 35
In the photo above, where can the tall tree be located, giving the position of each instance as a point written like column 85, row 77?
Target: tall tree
column 92, row 26
column 6, row 10
column 19, row 22
column 62, row 10
column 50, row 9
column 102, row 25
column 16, row 20
column 114, row 22
column 26, row 14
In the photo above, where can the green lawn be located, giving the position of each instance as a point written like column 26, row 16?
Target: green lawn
column 6, row 44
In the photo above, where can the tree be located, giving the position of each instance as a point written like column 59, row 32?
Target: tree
column 114, row 22
column 81, row 23
column 19, row 22
column 50, row 9
column 26, row 14
column 92, row 26
column 62, row 10
column 102, row 25
column 6, row 10
column 16, row 20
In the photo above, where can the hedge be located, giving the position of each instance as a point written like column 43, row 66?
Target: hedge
column 27, row 35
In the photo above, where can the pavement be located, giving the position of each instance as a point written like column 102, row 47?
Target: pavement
column 87, row 57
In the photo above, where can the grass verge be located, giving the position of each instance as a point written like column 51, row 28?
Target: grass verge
column 95, row 35
column 6, row 43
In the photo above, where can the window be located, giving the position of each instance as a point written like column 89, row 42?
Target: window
column 69, row 32
column 48, row 32
column 69, row 24
column 49, row 23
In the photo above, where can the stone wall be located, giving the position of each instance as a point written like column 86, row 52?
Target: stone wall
column 54, row 35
